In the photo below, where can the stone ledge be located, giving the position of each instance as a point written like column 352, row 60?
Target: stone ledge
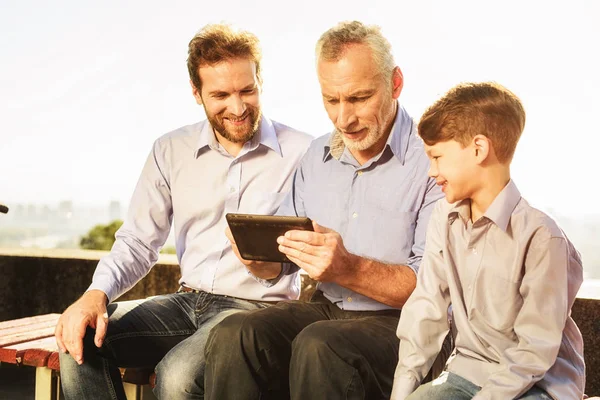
column 78, row 254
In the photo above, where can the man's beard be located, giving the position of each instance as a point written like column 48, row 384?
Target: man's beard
column 234, row 134
column 373, row 135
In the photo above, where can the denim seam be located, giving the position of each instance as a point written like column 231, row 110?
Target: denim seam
column 124, row 335
column 109, row 381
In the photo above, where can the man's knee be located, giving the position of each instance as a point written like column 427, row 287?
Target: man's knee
column 242, row 327
column 319, row 339
column 176, row 378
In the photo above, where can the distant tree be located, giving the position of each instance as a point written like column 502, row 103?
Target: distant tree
column 101, row 237
column 169, row 250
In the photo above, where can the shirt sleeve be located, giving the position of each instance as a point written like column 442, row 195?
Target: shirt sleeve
column 143, row 232
column 540, row 322
column 432, row 194
column 293, row 205
column 423, row 323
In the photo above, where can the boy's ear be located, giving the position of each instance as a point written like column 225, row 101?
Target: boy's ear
column 196, row 93
column 482, row 148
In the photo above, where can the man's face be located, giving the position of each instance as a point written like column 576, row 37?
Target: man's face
column 359, row 102
column 453, row 168
column 230, row 96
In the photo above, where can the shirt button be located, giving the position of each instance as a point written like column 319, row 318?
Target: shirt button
column 359, row 172
column 349, row 299
column 470, row 287
column 232, row 189
column 354, row 215
column 474, row 250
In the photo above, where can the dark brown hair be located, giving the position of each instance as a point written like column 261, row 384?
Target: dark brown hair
column 220, row 42
column 471, row 109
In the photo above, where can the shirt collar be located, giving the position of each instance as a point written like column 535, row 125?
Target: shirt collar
column 503, row 205
column 397, row 140
column 266, row 136
column 499, row 212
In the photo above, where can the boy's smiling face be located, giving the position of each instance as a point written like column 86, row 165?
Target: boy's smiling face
column 453, row 166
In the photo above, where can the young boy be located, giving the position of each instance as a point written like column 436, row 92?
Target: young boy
column 509, row 272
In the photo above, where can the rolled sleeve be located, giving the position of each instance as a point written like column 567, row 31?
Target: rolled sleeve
column 143, row 232
column 423, row 323
column 404, row 385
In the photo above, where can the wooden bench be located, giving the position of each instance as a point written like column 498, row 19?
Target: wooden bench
column 30, row 342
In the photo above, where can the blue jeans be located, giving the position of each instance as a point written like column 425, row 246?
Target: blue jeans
column 449, row 386
column 168, row 331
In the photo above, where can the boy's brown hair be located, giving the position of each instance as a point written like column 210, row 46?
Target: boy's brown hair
column 220, row 42
column 471, row 109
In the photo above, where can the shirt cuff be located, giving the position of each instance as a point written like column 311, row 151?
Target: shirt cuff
column 109, row 292
column 403, row 386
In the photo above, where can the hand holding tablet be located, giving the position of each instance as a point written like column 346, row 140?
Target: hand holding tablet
column 256, row 235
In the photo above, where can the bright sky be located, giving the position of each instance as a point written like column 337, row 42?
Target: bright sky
column 87, row 86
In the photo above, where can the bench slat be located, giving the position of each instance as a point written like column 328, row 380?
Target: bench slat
column 47, row 343
column 27, row 336
column 8, row 355
column 28, row 321
column 34, row 353
column 33, row 328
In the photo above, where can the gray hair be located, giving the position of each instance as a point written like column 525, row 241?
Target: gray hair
column 332, row 45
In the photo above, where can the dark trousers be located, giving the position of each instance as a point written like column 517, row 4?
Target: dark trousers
column 303, row 351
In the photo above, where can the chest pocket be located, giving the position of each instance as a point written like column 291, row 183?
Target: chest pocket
column 499, row 300
column 261, row 202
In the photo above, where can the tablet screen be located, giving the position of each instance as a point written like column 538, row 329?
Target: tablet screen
column 256, row 235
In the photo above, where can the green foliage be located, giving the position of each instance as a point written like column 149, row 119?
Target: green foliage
column 169, row 250
column 101, row 237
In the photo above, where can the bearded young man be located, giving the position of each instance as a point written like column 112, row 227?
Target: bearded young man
column 366, row 188
column 236, row 161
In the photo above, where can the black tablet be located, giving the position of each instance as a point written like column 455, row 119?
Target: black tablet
column 256, row 235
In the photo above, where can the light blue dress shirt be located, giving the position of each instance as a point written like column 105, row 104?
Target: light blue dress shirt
column 380, row 209
column 191, row 182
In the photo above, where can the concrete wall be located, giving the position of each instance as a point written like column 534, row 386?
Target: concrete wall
column 36, row 282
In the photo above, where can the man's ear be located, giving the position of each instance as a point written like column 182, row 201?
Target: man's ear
column 397, row 82
column 482, row 146
column 196, row 93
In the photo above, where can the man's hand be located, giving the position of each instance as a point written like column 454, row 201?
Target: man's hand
column 89, row 310
column 260, row 269
column 320, row 253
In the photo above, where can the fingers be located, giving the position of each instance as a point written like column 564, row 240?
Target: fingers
column 311, row 269
column 229, row 236
column 308, row 237
column 75, row 345
column 101, row 326
column 302, row 252
column 58, row 335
